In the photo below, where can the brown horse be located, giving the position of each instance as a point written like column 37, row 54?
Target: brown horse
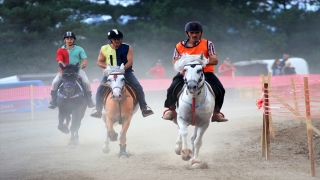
column 120, row 105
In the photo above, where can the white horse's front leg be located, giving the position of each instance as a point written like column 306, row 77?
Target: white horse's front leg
column 198, row 143
column 106, row 148
column 186, row 153
column 193, row 137
column 178, row 145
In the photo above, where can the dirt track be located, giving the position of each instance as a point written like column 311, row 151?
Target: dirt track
column 36, row 149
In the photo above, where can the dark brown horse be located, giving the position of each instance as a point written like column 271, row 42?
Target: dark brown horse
column 71, row 102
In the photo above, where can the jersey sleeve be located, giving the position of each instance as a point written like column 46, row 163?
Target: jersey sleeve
column 83, row 54
column 59, row 56
column 211, row 49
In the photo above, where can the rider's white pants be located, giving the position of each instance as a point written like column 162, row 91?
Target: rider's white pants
column 81, row 73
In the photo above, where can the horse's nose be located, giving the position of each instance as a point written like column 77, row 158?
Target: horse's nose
column 192, row 89
column 118, row 96
column 192, row 86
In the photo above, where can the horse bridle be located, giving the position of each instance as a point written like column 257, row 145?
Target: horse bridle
column 73, row 86
column 121, row 88
column 201, row 79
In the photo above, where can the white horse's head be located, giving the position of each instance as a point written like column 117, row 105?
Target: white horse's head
column 116, row 80
column 186, row 58
column 192, row 68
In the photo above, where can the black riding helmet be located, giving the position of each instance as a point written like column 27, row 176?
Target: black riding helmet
column 69, row 34
column 193, row 26
column 115, row 34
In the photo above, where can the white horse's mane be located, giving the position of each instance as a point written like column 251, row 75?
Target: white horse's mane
column 113, row 70
column 186, row 58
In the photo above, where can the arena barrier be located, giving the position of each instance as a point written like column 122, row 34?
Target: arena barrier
column 297, row 97
column 24, row 96
column 245, row 86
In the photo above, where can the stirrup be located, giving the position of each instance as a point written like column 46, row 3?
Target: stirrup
column 91, row 104
column 96, row 114
column 147, row 111
column 218, row 117
column 52, row 105
column 169, row 114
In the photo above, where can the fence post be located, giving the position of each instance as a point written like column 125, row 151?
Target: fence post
column 266, row 119
column 295, row 98
column 309, row 125
column 271, row 127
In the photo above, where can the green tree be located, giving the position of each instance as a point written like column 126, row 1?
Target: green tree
column 31, row 30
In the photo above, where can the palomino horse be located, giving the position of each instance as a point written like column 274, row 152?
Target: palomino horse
column 195, row 107
column 71, row 102
column 120, row 105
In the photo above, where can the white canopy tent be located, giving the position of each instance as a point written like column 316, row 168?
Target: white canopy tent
column 300, row 65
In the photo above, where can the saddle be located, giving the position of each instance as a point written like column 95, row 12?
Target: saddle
column 130, row 88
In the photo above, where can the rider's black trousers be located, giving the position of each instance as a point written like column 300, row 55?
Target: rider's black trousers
column 177, row 84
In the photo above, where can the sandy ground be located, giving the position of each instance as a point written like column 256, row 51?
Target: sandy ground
column 36, row 149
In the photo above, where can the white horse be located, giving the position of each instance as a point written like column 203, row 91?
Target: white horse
column 196, row 105
column 120, row 105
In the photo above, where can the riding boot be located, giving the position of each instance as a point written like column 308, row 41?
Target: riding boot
column 89, row 100
column 170, row 113
column 146, row 110
column 218, row 117
column 52, row 104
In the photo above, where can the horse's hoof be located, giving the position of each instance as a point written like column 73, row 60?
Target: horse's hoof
column 123, row 155
column 76, row 141
column 105, row 149
column 63, row 129
column 186, row 156
column 178, row 149
column 178, row 152
column 114, row 138
column 72, row 144
column 197, row 164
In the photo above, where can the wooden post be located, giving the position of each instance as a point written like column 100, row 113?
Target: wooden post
column 266, row 119
column 295, row 98
column 263, row 132
column 309, row 126
column 263, row 138
column 271, row 127
column 31, row 101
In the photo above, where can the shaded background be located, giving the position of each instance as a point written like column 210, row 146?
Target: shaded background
column 31, row 30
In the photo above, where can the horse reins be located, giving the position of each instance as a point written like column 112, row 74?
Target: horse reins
column 193, row 104
column 81, row 93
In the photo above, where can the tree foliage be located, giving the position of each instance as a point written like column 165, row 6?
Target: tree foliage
column 31, row 30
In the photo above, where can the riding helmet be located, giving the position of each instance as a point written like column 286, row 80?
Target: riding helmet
column 69, row 34
column 115, row 34
column 193, row 26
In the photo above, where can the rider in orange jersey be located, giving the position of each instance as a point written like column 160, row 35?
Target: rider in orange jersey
column 192, row 46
